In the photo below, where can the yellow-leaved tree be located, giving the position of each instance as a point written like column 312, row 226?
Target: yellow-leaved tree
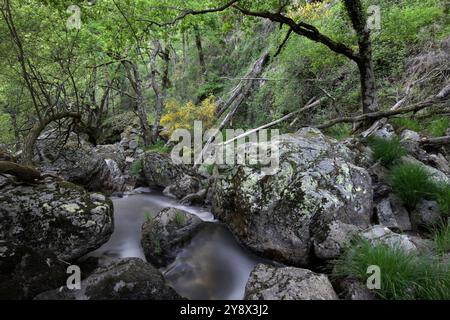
column 179, row 116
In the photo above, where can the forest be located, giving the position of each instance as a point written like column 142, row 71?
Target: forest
column 225, row 149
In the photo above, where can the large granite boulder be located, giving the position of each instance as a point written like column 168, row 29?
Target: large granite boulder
column 310, row 207
column 54, row 215
column 273, row 283
column 164, row 235
column 126, row 279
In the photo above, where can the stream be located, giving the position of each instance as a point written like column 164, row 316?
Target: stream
column 212, row 266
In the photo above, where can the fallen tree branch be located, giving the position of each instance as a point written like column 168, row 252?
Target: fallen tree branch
column 23, row 173
column 436, row 141
column 440, row 98
column 273, row 123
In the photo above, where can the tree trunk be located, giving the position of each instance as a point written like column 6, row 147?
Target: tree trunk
column 160, row 92
column 365, row 64
column 201, row 56
column 34, row 133
column 141, row 109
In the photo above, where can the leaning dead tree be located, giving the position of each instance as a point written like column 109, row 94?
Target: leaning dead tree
column 235, row 101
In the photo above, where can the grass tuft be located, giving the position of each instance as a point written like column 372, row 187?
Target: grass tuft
column 136, row 168
column 411, row 183
column 387, row 151
column 404, row 275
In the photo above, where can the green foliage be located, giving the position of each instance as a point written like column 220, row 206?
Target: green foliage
column 441, row 194
column 387, row 151
column 159, row 147
column 410, row 182
column 404, row 275
column 406, row 123
column 6, row 136
column 340, row 131
column 157, row 247
column 441, row 238
column 136, row 168
column 438, row 127
column 180, row 219
column 148, row 216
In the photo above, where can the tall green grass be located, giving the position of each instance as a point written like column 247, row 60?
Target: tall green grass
column 387, row 151
column 404, row 275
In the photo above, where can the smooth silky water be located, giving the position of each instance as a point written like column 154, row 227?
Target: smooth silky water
column 212, row 266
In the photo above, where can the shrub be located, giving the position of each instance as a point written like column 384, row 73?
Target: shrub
column 159, row 147
column 148, row 216
column 406, row 123
column 387, row 151
column 441, row 238
column 438, row 127
column 404, row 275
column 340, row 131
column 180, row 116
column 410, row 182
column 179, row 219
column 136, row 168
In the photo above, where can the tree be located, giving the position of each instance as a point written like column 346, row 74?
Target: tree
column 274, row 11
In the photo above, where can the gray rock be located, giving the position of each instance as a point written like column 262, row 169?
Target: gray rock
column 126, row 279
column 273, row 283
column 25, row 272
column 76, row 161
column 160, row 171
column 281, row 216
column 426, row 214
column 385, row 132
column 350, row 289
column 392, row 214
column 385, row 214
column 409, row 135
column 337, row 238
column 55, row 215
column 164, row 235
column 382, row 235
column 133, row 144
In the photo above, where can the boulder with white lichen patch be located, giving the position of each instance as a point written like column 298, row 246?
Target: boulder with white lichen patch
column 312, row 204
column 55, row 215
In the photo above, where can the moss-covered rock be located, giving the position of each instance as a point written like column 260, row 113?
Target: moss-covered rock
column 164, row 235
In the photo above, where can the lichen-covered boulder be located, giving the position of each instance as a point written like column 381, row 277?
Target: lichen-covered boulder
column 160, row 171
column 54, row 215
column 305, row 208
column 273, row 283
column 164, row 235
column 126, row 279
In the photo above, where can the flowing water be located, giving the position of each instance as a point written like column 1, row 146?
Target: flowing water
column 212, row 266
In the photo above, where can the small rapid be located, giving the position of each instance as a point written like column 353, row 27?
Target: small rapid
column 212, row 266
